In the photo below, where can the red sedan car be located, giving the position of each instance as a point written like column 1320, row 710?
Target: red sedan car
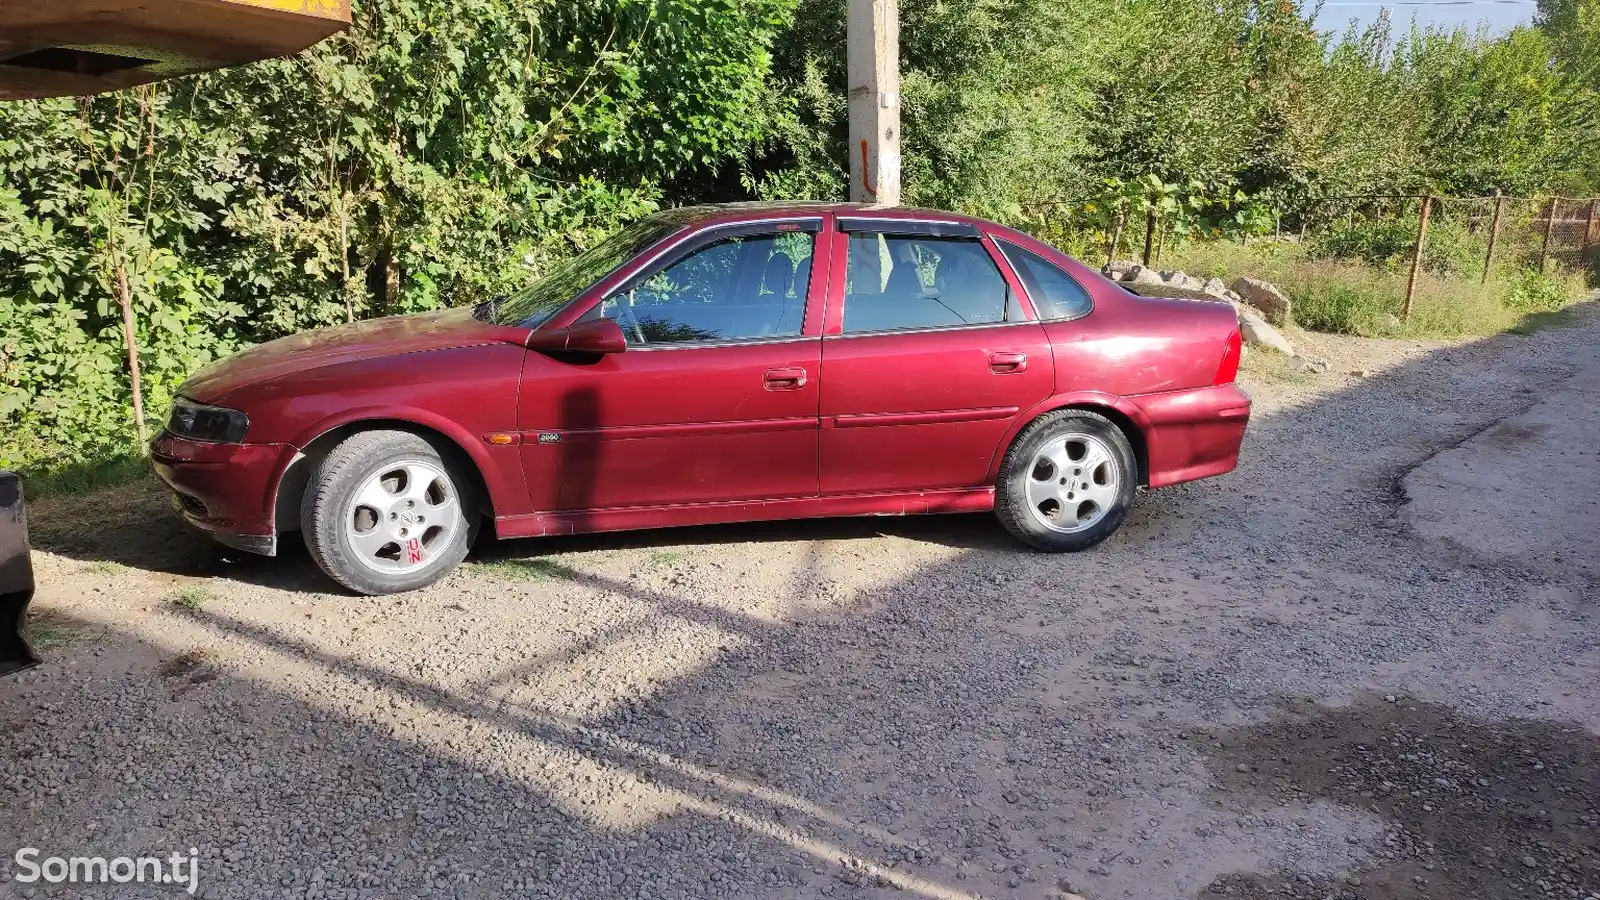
column 718, row 364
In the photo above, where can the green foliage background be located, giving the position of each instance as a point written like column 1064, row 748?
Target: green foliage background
column 445, row 150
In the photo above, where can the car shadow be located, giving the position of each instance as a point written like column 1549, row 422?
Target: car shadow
column 993, row 722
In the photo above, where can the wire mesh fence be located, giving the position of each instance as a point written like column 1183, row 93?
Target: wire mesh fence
column 1429, row 237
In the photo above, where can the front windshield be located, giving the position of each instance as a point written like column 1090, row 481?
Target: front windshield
column 537, row 302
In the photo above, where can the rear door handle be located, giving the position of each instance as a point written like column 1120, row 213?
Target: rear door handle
column 791, row 378
column 1008, row 362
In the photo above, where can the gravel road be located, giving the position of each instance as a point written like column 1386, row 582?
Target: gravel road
column 1268, row 684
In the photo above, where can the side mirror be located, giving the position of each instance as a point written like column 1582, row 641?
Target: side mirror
column 599, row 336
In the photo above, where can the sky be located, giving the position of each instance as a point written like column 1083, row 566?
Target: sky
column 1500, row 16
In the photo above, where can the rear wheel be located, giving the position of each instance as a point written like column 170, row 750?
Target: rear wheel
column 384, row 512
column 1067, row 482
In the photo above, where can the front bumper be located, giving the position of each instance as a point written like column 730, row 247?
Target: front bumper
column 226, row 490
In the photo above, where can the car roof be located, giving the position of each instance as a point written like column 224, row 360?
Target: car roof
column 734, row 212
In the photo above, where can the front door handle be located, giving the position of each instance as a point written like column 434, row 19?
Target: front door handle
column 1008, row 362
column 790, row 378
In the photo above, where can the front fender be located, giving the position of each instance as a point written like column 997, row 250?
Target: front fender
column 506, row 495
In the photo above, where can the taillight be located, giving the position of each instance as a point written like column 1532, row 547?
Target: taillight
column 1229, row 370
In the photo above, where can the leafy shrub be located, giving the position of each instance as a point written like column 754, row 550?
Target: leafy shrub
column 1537, row 292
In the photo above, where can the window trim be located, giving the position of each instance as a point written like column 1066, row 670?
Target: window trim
column 667, row 257
column 921, row 329
column 1025, row 279
column 908, row 227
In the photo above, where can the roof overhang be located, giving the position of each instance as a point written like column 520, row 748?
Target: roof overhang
column 54, row 48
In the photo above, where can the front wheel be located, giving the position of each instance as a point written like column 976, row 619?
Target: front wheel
column 384, row 513
column 1067, row 482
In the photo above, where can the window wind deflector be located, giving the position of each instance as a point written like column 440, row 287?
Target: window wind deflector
column 877, row 225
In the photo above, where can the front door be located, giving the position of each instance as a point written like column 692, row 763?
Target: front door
column 932, row 362
column 714, row 399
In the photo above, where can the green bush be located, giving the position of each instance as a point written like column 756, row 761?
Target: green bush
column 1536, row 292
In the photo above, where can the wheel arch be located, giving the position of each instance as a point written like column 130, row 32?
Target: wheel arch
column 1121, row 412
column 292, row 485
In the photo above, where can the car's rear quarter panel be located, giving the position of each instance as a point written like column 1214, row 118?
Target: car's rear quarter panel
column 1159, row 359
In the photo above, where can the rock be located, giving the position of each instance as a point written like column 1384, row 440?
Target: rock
column 1390, row 323
column 1265, row 297
column 1118, row 269
column 1529, row 862
column 1299, row 363
column 1217, row 288
column 1361, row 373
column 1182, row 280
column 1255, row 331
column 1143, row 275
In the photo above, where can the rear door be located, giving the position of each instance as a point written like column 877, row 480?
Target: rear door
column 928, row 356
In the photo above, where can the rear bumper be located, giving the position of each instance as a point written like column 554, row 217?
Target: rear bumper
column 16, row 578
column 227, row 490
column 1195, row 433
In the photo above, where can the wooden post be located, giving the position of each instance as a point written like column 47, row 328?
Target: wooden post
column 1588, row 225
column 125, row 300
column 1494, row 234
column 1549, row 226
column 1277, row 225
column 1149, row 235
column 1416, row 256
column 873, row 72
column 1116, row 238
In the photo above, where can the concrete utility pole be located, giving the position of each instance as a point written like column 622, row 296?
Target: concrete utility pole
column 874, row 80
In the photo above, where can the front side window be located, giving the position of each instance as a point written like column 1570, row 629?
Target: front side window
column 1056, row 295
column 739, row 288
column 897, row 282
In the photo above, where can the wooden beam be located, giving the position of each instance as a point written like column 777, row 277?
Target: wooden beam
column 874, row 93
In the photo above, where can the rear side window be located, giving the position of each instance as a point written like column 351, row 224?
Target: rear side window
column 1056, row 295
column 897, row 282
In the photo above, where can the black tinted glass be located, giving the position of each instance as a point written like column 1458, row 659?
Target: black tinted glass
column 739, row 288
column 1056, row 295
column 894, row 283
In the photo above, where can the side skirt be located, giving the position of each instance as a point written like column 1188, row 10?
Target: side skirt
column 900, row 503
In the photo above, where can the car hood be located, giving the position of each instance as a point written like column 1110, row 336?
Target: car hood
column 345, row 343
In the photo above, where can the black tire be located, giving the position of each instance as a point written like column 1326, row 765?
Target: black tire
column 1011, row 489
column 332, row 488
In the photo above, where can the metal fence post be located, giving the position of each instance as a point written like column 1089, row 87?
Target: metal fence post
column 1588, row 224
column 1549, row 226
column 1494, row 234
column 1416, row 256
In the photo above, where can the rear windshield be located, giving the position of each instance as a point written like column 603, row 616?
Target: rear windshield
column 537, row 302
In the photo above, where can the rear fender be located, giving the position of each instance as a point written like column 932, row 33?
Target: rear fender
column 1094, row 401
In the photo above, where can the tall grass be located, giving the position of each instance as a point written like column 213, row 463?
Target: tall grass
column 1360, row 297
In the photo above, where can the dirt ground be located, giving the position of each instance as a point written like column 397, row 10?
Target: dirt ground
column 1363, row 666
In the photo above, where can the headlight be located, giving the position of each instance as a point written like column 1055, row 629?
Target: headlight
column 199, row 422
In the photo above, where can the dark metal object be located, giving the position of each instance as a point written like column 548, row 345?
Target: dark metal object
column 16, row 578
